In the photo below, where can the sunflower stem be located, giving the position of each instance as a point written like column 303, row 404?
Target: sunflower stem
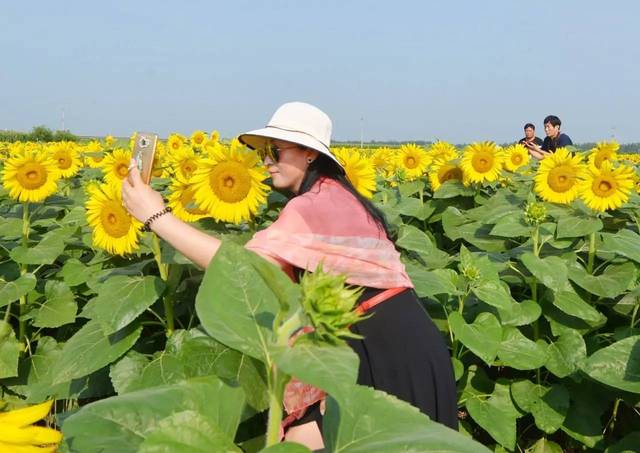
column 26, row 227
column 592, row 252
column 534, row 288
column 614, row 415
column 167, row 298
column 277, row 384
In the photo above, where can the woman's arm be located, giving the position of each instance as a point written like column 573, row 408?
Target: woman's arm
column 142, row 202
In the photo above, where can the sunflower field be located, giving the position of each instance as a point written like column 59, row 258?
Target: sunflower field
column 110, row 340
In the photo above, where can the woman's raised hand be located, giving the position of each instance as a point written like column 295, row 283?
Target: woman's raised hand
column 138, row 198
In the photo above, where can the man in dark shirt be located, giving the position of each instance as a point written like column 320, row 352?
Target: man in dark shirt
column 530, row 135
column 554, row 139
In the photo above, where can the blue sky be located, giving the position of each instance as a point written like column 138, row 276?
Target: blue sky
column 402, row 70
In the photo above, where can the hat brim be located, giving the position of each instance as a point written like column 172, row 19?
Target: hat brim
column 260, row 138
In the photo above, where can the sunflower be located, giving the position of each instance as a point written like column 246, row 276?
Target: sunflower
column 359, row 170
column 236, row 145
column 606, row 187
column 108, row 140
column 209, row 147
column 93, row 154
column 442, row 151
column 198, row 138
column 116, row 166
column 17, row 433
column 603, row 151
column 384, row 162
column 175, row 142
column 181, row 200
column 30, row 176
column 160, row 168
column 442, row 171
column 132, row 140
column 229, row 185
column 558, row 176
column 215, row 137
column 114, row 229
column 66, row 157
column 183, row 161
column 515, row 156
column 481, row 162
column 413, row 161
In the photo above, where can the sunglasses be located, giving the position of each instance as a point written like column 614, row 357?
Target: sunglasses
column 273, row 151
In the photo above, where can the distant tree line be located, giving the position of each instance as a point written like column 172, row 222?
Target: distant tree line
column 38, row 134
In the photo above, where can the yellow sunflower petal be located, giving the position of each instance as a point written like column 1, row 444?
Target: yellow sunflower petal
column 27, row 415
column 12, row 448
column 359, row 171
column 29, row 435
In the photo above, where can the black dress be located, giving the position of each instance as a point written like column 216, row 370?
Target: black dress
column 403, row 354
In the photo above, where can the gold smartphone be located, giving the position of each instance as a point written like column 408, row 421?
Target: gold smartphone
column 144, row 149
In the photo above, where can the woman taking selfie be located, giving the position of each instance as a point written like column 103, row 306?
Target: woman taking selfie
column 327, row 222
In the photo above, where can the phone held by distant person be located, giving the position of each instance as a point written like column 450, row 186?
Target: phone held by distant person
column 144, row 149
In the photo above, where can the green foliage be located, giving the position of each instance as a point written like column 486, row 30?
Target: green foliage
column 38, row 134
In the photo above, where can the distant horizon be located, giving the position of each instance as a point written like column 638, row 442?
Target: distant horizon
column 338, row 141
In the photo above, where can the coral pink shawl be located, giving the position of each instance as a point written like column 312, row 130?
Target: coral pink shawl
column 327, row 225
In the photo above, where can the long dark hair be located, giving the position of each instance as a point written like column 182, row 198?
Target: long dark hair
column 323, row 166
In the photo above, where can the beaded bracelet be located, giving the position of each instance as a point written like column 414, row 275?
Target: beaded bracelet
column 149, row 221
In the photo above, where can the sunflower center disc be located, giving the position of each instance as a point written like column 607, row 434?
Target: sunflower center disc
column 560, row 179
column 482, row 163
column 516, row 159
column 188, row 168
column 411, row 162
column 32, row 176
column 115, row 221
column 230, row 181
column 603, row 187
column 449, row 174
column 64, row 162
column 122, row 170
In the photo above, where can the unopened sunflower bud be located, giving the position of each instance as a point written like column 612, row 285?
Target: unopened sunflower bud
column 470, row 272
column 329, row 304
column 535, row 213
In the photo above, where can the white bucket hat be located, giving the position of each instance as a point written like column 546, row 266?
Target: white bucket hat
column 295, row 122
